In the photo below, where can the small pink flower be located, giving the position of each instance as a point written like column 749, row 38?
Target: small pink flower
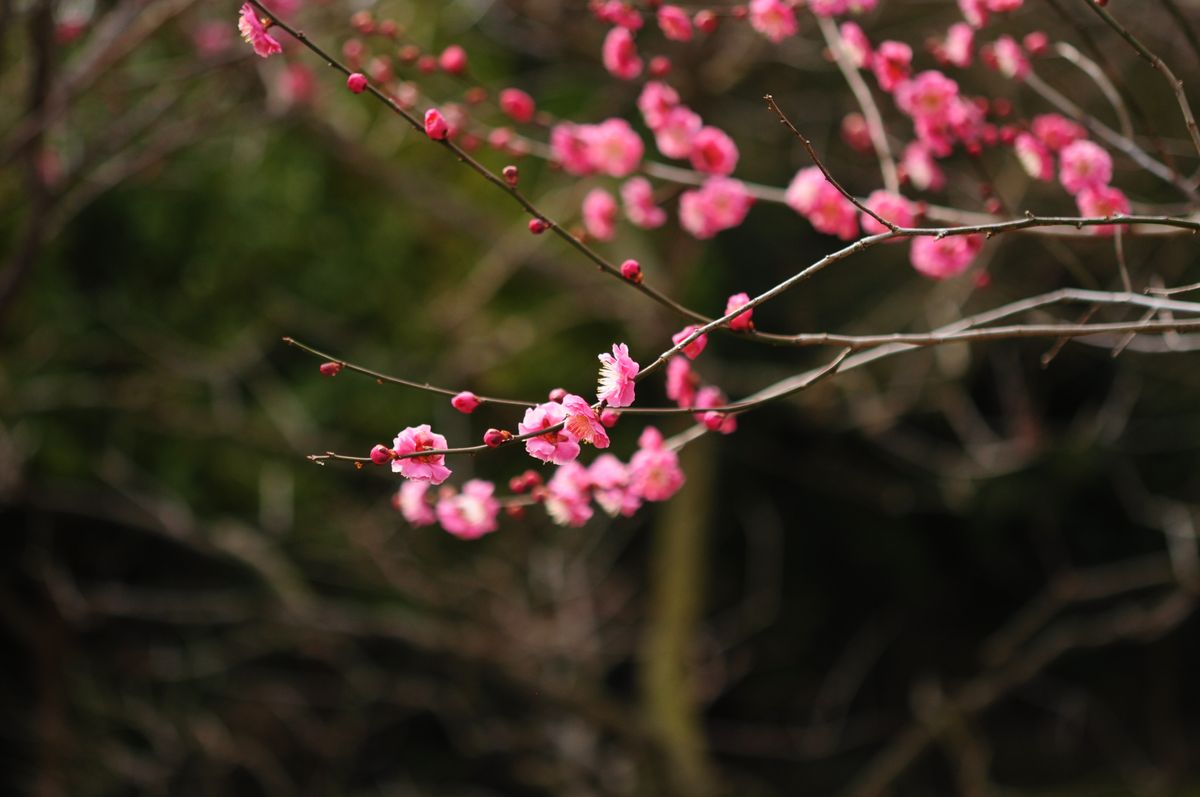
column 1034, row 156
column 744, row 321
column 620, row 54
column 618, row 12
column 654, row 472
column 713, row 152
column 921, row 169
column 719, row 204
column 1035, row 43
column 857, row 45
column 569, row 149
column 558, row 446
column 453, row 60
column 568, row 495
column 612, row 147
column 930, row 96
column 815, row 198
column 617, row 374
column 774, row 19
column 960, row 41
column 517, row 105
column 721, row 422
column 471, row 513
column 637, row 196
column 677, row 131
column 655, row 101
column 582, row 421
column 693, row 349
column 893, row 207
column 436, row 126
column 675, row 23
column 682, row 382
column 465, row 402
column 632, row 271
column 1084, row 164
column 410, row 500
column 426, row 468
column 828, row 8
column 610, row 486
column 891, row 64
column 1102, row 201
column 1002, row 6
column 1056, row 132
column 1010, row 58
column 974, row 12
column 255, row 32
column 600, row 214
column 940, row 258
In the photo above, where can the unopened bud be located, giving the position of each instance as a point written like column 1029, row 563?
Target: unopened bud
column 496, row 437
column 511, row 175
column 381, row 454
column 330, row 369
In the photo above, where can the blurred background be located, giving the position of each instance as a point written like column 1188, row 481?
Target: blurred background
column 957, row 571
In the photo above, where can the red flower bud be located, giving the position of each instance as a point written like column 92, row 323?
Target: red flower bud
column 381, row 454
column 357, row 82
column 330, row 369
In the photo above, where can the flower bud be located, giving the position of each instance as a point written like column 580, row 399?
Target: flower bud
column 632, row 271
column 357, row 82
column 330, row 369
column 511, row 175
column 382, row 455
column 435, row 125
column 495, row 437
column 465, row 402
column 537, row 226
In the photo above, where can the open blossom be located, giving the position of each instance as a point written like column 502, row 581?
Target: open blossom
column 774, row 19
column 612, row 147
column 656, row 99
column 471, row 513
column 431, row 468
column 675, row 23
column 693, row 349
column 1034, row 156
column 582, row 421
column 960, row 41
column 558, row 446
column 893, row 207
column 743, row 321
column 617, row 374
column 410, row 500
column 891, row 64
column 677, row 131
column 856, row 43
column 681, row 382
column 620, row 54
column 600, row 214
column 1010, row 58
column 930, row 96
column 940, row 258
column 815, row 198
column 1102, row 201
column 610, row 486
column 921, row 169
column 713, row 152
column 255, row 33
column 637, row 197
column 568, row 495
column 570, row 150
column 654, row 471
column 517, row 105
column 1056, row 131
column 1084, row 164
column 719, row 204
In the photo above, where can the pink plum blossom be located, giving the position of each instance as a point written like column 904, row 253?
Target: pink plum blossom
column 681, row 382
column 656, row 99
column 617, row 374
column 815, row 198
column 610, row 486
column 618, row 12
column 677, row 131
column 654, row 472
column 856, row 43
column 974, row 12
column 558, row 446
column 774, row 19
column 960, row 41
column 453, row 60
column 436, row 126
column 470, row 513
column 568, row 495
column 828, row 8
column 1003, row 6
column 1034, row 156
column 1084, row 164
column 600, row 214
column 722, row 422
column 719, row 204
column 940, row 258
column 620, row 54
column 1102, row 201
column 921, row 169
column 693, row 349
column 713, row 152
column 465, row 402
column 1010, row 58
column 613, row 148
column 893, row 207
column 891, row 64
column 255, row 32
column 517, row 105
column 569, row 149
column 675, row 23
column 637, row 197
column 1056, row 132
column 426, row 468
column 930, row 96
column 410, row 500
column 582, row 421
column 743, row 321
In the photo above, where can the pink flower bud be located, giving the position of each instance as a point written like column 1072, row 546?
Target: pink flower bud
column 363, row 22
column 1036, row 42
column 408, row 54
column 706, row 21
column 632, row 271
column 426, row 64
column 453, row 60
column 511, row 175
column 557, row 395
column 353, row 51
column 465, row 402
column 389, row 28
column 517, row 105
column 382, row 455
column 537, row 226
column 357, row 82
column 659, row 66
column 330, row 369
column 435, row 125
column 495, row 437
column 609, row 418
